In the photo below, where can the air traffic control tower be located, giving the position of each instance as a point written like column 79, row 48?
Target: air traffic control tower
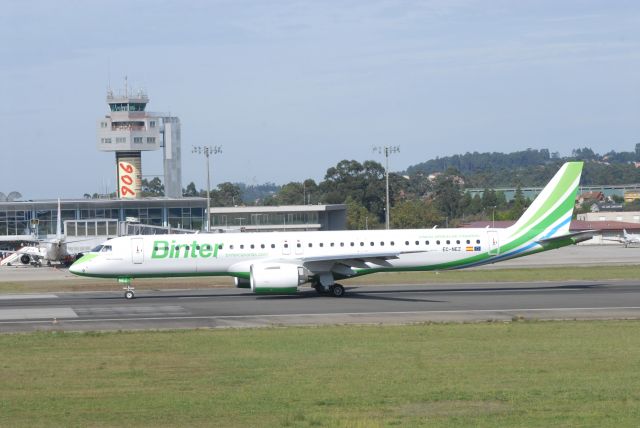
column 128, row 130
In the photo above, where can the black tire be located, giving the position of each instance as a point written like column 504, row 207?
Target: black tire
column 337, row 290
column 129, row 295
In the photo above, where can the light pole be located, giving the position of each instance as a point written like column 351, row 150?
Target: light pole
column 206, row 151
column 386, row 150
column 493, row 216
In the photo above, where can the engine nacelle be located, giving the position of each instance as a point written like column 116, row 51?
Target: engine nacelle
column 276, row 278
column 242, row 283
column 25, row 259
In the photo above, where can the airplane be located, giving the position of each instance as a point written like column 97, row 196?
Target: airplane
column 280, row 262
column 628, row 239
column 44, row 250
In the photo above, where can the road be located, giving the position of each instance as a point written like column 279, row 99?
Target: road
column 390, row 304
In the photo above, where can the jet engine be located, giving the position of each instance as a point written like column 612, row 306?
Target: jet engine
column 242, row 283
column 25, row 259
column 276, row 278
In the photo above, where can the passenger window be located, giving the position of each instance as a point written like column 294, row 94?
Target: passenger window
column 477, row 241
column 261, row 245
column 438, row 242
column 273, row 245
column 417, row 242
column 352, row 244
column 372, row 244
column 310, row 245
column 331, row 245
column 342, row 244
column 426, row 242
column 242, row 246
column 220, row 246
column 468, row 241
column 406, row 242
column 231, row 247
column 298, row 245
column 448, row 242
column 458, row 241
column 286, row 245
column 252, row 246
column 393, row 243
column 362, row 244
column 321, row 244
column 382, row 243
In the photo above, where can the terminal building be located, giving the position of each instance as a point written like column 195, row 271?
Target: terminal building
column 280, row 218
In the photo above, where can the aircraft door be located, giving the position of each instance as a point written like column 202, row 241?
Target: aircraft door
column 299, row 249
column 137, row 250
column 494, row 242
column 286, row 250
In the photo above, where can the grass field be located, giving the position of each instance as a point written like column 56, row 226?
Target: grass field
column 490, row 374
column 595, row 273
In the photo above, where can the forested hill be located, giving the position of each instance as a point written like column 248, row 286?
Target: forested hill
column 533, row 167
column 473, row 163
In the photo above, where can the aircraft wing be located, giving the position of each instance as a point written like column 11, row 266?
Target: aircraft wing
column 615, row 239
column 18, row 238
column 340, row 262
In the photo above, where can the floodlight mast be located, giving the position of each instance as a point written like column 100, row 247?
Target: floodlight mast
column 386, row 150
column 206, row 151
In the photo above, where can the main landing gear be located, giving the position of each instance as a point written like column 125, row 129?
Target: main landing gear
column 129, row 291
column 335, row 290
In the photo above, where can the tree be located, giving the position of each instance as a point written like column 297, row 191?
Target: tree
column 190, row 191
column 152, row 188
column 447, row 196
column 518, row 204
column 358, row 218
column 414, row 214
column 227, row 195
column 364, row 183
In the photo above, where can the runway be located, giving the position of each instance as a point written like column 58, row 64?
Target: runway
column 389, row 304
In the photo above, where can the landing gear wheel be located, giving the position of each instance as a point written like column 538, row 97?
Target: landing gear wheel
column 337, row 290
column 129, row 294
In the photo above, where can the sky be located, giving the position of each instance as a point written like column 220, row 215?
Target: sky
column 290, row 88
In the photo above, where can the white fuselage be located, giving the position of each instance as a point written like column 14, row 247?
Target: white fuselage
column 233, row 254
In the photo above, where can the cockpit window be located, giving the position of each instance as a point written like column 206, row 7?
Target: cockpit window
column 106, row 249
column 97, row 249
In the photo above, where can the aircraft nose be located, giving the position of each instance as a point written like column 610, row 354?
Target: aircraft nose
column 80, row 266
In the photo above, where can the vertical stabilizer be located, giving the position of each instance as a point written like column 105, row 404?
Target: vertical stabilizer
column 550, row 213
column 59, row 222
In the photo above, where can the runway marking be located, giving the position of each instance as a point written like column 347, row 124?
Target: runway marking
column 132, row 310
column 213, row 317
column 27, row 296
column 36, row 313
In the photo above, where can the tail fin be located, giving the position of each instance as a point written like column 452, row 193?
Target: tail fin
column 550, row 213
column 59, row 222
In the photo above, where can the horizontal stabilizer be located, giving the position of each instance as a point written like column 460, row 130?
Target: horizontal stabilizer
column 567, row 239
